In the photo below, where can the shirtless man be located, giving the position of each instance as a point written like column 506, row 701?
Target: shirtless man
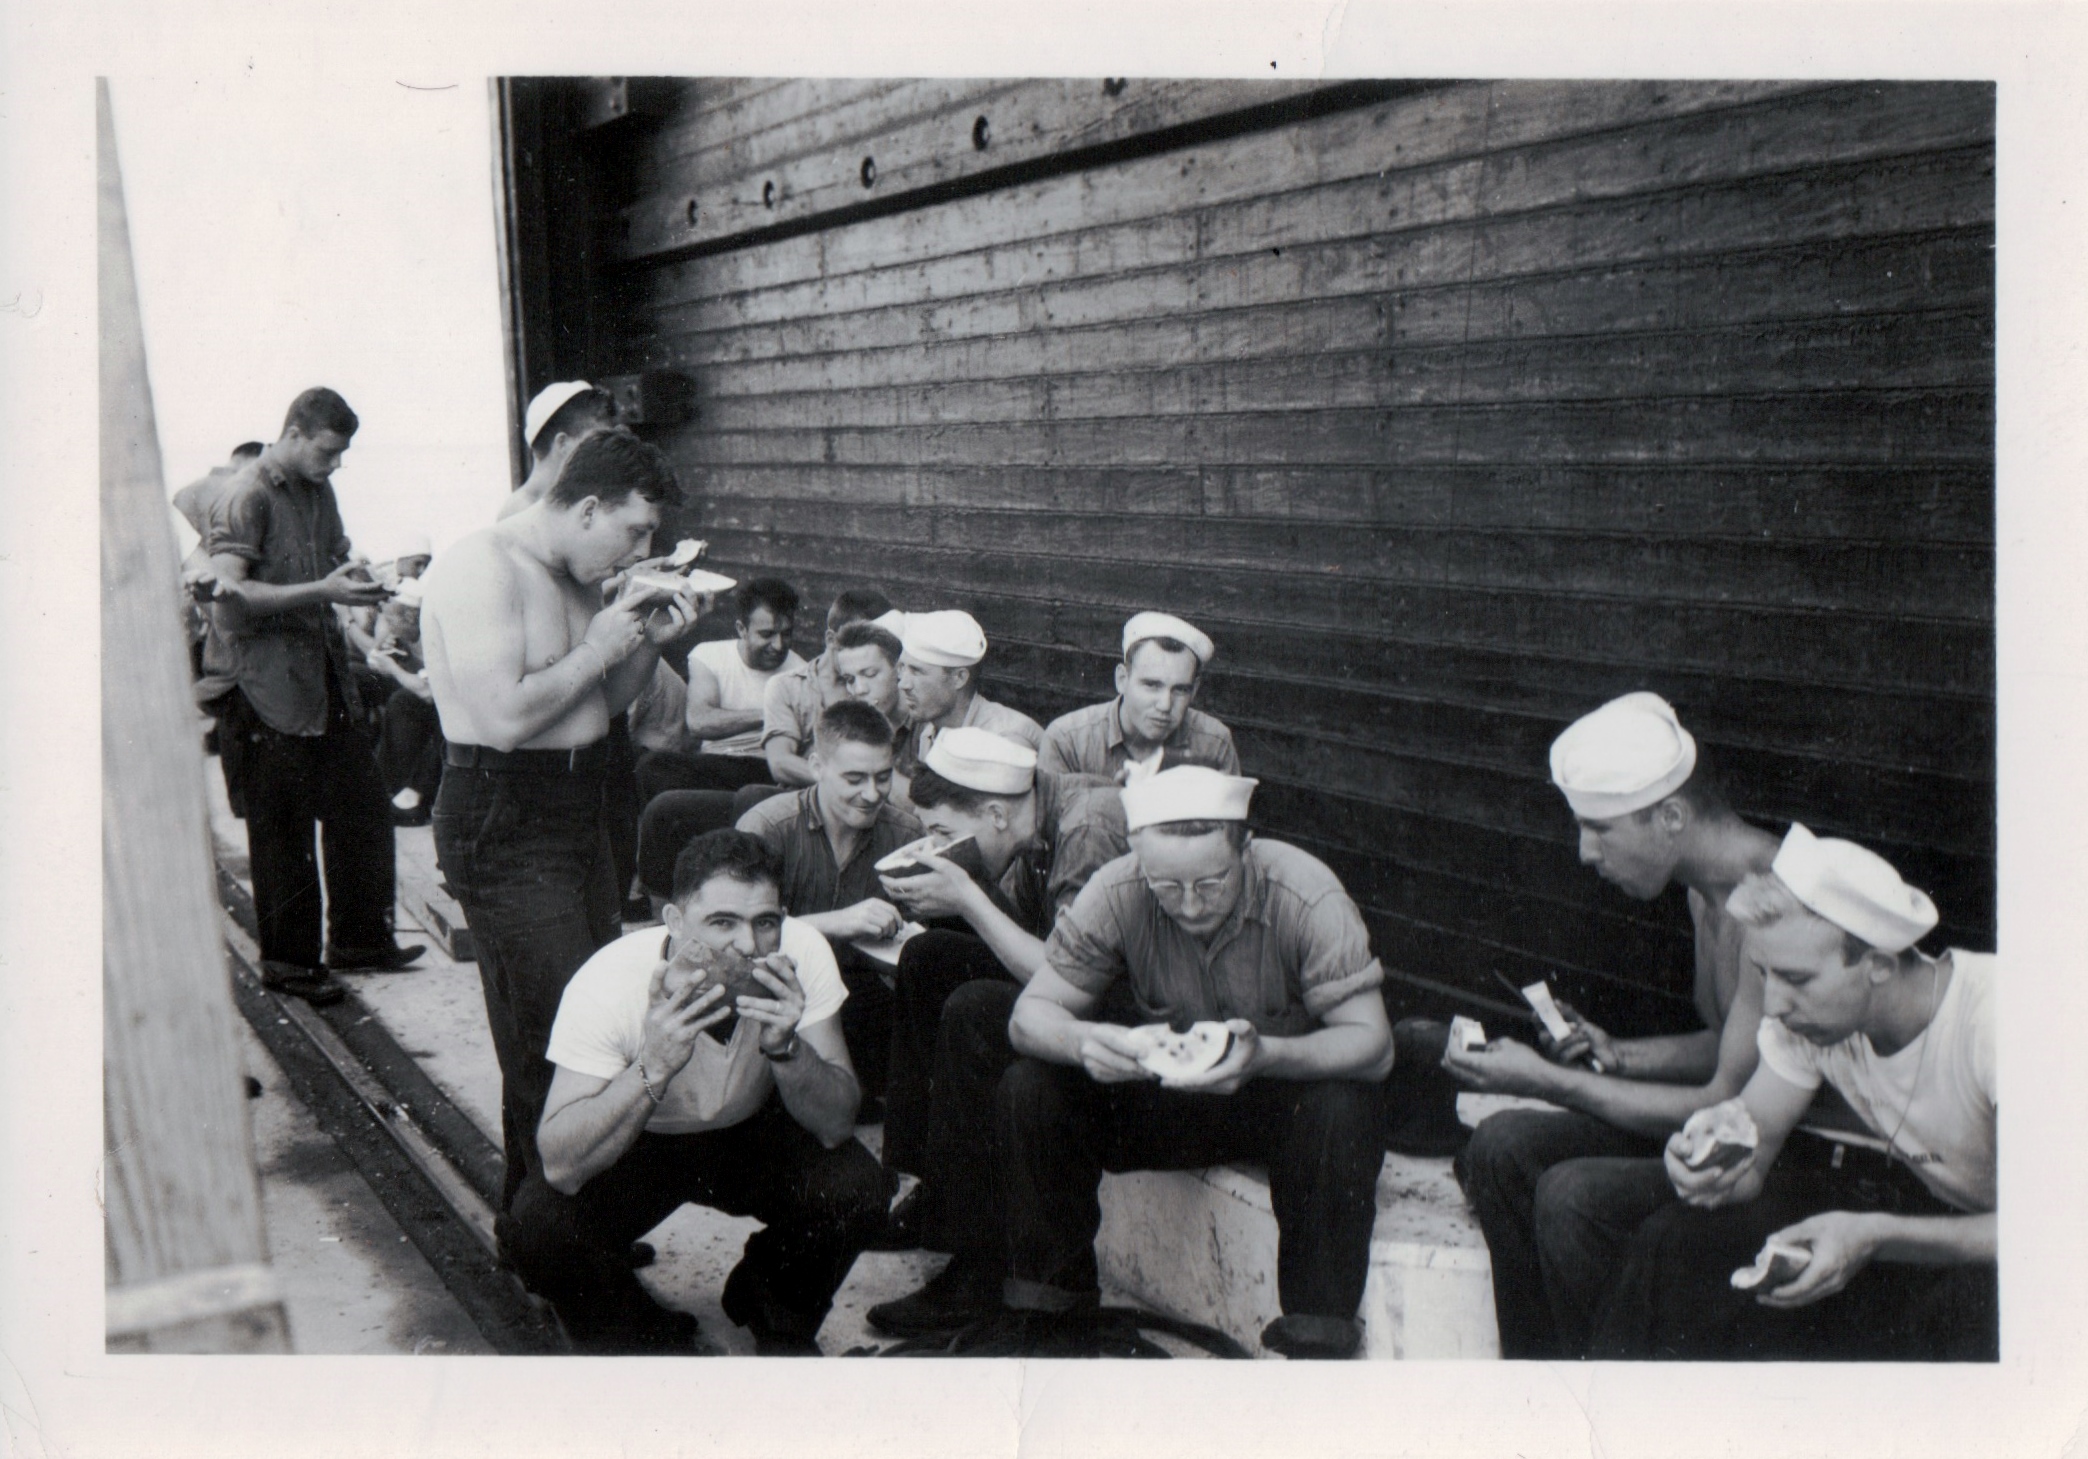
column 1560, row 1192
column 527, row 666
column 561, row 415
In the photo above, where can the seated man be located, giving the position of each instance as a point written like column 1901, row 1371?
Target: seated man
column 791, row 706
column 1036, row 838
column 939, row 686
column 830, row 837
column 1152, row 716
column 1200, row 922
column 1559, row 1192
column 728, row 678
column 1893, row 1262
column 665, row 1091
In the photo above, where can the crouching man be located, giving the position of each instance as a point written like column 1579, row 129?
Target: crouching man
column 1891, row 1258
column 704, row 1064
column 1204, row 923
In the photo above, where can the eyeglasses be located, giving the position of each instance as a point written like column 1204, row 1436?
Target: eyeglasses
column 1172, row 893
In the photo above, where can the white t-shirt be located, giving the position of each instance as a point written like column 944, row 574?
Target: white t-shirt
column 1947, row 1134
column 739, row 687
column 600, row 1029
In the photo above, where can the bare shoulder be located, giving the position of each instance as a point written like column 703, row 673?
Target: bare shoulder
column 474, row 570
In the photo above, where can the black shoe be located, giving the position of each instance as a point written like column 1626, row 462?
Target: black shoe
column 1298, row 1336
column 641, row 1254
column 1420, row 1098
column 778, row 1331
column 959, row 1295
column 310, row 984
column 375, row 960
column 906, row 1224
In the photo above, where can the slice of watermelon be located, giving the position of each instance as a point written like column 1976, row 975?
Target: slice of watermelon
column 1719, row 1137
column 1174, row 1055
column 1777, row 1264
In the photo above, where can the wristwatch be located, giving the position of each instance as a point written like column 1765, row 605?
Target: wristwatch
column 789, row 1051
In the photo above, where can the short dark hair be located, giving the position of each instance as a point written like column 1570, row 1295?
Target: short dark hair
column 320, row 409
column 727, row 853
column 869, row 635
column 247, row 450
column 1235, row 831
column 610, row 465
column 574, row 418
column 929, row 790
column 1704, row 792
column 852, row 720
column 779, row 597
column 856, row 605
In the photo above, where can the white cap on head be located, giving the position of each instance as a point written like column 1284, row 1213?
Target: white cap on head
column 547, row 403
column 893, row 623
column 1854, row 888
column 948, row 639
column 1625, row 756
column 1187, row 793
column 983, row 761
column 415, row 544
column 1141, row 626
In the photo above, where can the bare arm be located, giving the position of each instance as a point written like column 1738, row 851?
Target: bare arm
column 786, row 765
column 1353, row 1041
column 948, row 891
column 706, row 720
column 819, row 1086
column 241, row 600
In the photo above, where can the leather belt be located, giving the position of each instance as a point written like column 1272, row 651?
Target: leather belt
column 579, row 760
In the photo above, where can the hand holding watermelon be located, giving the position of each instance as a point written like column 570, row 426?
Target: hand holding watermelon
column 1113, row 1054
column 1210, row 1058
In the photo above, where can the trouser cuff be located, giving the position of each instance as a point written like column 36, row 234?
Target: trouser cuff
column 1027, row 1296
column 1307, row 1334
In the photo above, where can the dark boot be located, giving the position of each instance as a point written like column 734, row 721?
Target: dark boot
column 960, row 1294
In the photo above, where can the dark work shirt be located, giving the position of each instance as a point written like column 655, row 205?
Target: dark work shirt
column 812, row 882
column 1080, row 830
column 289, row 531
column 1091, row 741
column 1293, row 946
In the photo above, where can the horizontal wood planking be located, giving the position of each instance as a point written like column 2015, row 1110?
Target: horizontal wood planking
column 916, row 135
column 1683, row 390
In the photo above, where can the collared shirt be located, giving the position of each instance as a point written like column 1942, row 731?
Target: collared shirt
column 982, row 713
column 194, row 500
column 794, row 700
column 1091, row 741
column 289, row 532
column 813, row 882
column 1080, row 830
column 1292, row 947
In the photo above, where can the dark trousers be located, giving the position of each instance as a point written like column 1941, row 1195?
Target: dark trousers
column 1675, row 1297
column 287, row 783
column 932, row 966
column 669, row 821
column 528, row 858
column 1558, row 1195
column 962, row 1157
column 621, row 804
column 410, row 750
column 818, row 1209
column 866, row 1019
column 1323, row 1143
column 659, row 771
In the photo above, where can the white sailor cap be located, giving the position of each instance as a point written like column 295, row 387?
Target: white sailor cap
column 1625, row 756
column 893, row 622
column 1854, row 888
column 547, row 403
column 415, row 544
column 1142, row 626
column 982, row 760
column 1187, row 793
column 948, row 639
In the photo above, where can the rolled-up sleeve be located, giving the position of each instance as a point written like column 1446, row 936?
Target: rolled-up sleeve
column 237, row 525
column 1086, row 946
column 1334, row 958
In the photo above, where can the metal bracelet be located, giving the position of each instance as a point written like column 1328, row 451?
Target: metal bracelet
column 646, row 1080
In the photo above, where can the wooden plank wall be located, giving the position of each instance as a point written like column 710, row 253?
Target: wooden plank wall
column 1449, row 410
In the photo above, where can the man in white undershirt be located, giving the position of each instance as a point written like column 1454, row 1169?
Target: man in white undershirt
column 728, row 685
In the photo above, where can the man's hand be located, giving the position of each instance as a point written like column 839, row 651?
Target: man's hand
column 1110, row 1054
column 873, row 919
column 672, row 1022
column 351, row 585
column 1502, row 1066
column 1713, row 1186
column 1586, row 1041
column 779, row 1015
column 615, row 633
column 418, row 685
column 1241, row 1063
column 1842, row 1244
column 944, row 890
column 669, row 621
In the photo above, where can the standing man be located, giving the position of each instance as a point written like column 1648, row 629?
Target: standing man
column 561, row 415
column 939, row 685
column 657, row 1102
column 280, row 555
column 1559, row 1192
column 728, row 683
column 792, row 704
column 1894, row 1260
column 1153, row 716
column 527, row 667
column 830, row 836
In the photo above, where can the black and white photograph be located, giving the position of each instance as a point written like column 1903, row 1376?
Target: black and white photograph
column 1346, row 714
